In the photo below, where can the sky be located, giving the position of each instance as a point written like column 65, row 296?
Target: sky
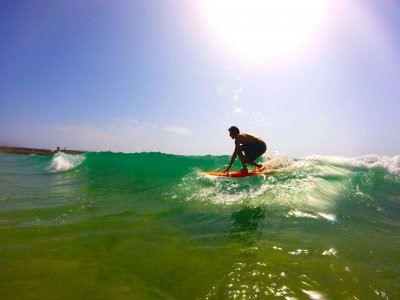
column 315, row 77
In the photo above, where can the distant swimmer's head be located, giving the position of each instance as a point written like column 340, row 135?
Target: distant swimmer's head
column 233, row 131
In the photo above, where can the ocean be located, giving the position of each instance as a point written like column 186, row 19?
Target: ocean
column 105, row 225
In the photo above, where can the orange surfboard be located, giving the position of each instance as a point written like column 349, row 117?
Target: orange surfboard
column 237, row 173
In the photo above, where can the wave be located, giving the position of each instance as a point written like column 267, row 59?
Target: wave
column 160, row 163
column 310, row 187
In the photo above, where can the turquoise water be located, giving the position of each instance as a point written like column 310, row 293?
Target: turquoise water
column 150, row 226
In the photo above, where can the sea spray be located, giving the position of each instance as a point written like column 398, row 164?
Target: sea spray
column 64, row 162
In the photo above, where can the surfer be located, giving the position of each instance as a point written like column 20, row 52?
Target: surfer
column 247, row 147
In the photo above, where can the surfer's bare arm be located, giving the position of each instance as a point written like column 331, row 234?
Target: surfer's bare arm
column 233, row 158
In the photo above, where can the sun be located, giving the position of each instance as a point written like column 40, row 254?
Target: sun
column 258, row 30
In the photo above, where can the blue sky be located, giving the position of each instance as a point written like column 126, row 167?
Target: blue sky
column 172, row 76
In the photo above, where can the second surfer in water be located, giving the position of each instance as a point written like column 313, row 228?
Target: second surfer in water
column 247, row 147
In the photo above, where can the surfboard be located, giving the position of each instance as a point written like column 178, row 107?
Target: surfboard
column 237, row 173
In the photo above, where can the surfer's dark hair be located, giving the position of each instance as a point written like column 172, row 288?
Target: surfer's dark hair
column 234, row 129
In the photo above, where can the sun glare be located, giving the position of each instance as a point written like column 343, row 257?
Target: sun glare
column 264, row 30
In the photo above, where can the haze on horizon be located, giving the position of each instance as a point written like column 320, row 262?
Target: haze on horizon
column 309, row 77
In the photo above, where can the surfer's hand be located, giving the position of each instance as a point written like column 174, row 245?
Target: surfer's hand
column 226, row 170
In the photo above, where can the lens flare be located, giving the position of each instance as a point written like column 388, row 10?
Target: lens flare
column 257, row 30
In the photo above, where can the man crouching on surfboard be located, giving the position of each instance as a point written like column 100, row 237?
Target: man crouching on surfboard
column 247, row 147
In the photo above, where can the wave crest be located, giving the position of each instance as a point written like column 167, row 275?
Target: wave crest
column 64, row 162
column 370, row 161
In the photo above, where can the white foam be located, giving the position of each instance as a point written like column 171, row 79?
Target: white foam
column 391, row 164
column 276, row 161
column 370, row 161
column 64, row 162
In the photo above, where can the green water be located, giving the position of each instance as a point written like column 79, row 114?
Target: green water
column 150, row 226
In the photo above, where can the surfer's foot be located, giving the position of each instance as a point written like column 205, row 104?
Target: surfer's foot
column 261, row 169
column 244, row 170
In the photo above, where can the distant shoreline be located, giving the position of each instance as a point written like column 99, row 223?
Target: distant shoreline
column 26, row 151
